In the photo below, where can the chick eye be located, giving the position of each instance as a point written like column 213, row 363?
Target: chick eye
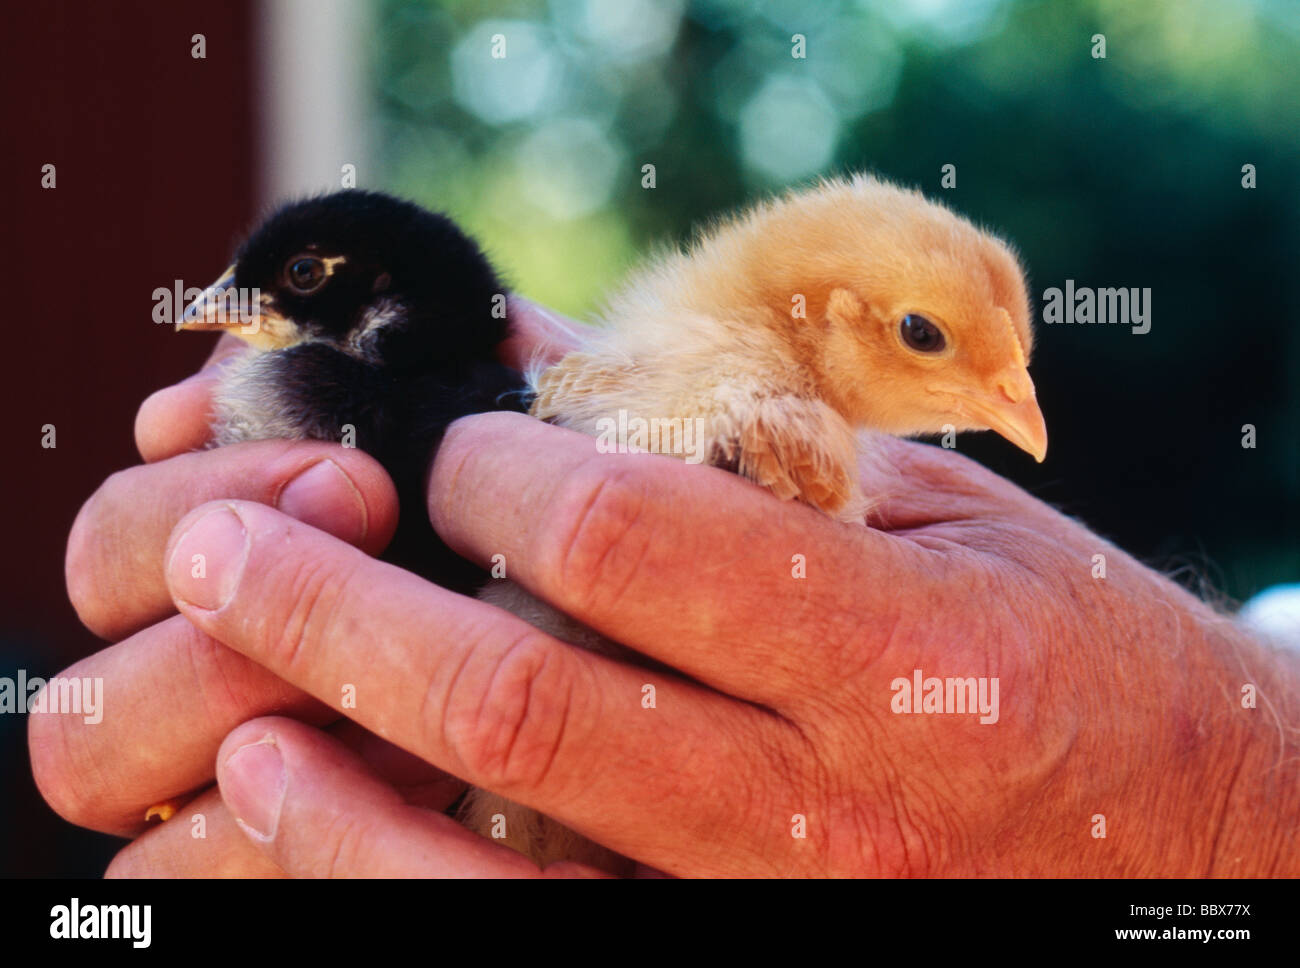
column 306, row 274
column 921, row 334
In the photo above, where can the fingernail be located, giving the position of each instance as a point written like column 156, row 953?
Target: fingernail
column 208, row 559
column 253, row 784
column 324, row 497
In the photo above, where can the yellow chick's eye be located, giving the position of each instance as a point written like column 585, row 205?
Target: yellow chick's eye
column 305, row 274
column 920, row 334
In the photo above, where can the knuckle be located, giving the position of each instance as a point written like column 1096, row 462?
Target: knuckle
column 313, row 593
column 223, row 681
column 345, row 848
column 505, row 715
column 596, row 538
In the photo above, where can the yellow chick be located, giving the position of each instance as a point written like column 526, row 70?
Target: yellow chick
column 855, row 305
column 769, row 347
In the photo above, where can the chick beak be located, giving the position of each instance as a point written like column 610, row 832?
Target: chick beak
column 249, row 316
column 1011, row 410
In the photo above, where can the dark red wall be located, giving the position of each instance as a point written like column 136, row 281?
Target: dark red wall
column 154, row 152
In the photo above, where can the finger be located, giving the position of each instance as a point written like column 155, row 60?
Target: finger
column 474, row 690
column 537, row 335
column 316, row 810
column 114, row 558
column 178, row 418
column 420, row 783
column 202, row 840
column 171, row 696
column 609, row 539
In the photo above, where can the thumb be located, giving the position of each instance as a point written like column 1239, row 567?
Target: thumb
column 317, row 810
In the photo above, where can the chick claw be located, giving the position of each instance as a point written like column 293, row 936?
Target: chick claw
column 800, row 448
column 164, row 811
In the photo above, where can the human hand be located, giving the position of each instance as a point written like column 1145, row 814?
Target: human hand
column 173, row 692
column 1117, row 696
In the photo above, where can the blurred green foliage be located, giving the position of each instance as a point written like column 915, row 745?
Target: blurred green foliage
column 1117, row 171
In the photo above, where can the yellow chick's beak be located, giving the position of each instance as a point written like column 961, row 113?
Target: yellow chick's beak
column 1011, row 410
column 247, row 315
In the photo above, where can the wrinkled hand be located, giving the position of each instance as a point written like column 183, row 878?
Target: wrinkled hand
column 1118, row 698
column 173, row 693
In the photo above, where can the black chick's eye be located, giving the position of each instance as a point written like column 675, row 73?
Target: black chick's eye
column 305, row 273
column 921, row 334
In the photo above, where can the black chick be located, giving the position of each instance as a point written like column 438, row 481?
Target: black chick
column 377, row 324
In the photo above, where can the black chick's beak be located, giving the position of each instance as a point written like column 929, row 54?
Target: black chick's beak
column 247, row 314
